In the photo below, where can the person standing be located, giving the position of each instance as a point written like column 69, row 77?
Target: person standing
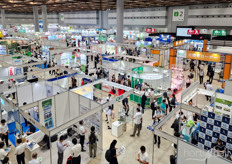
column 143, row 102
column 156, row 122
column 113, row 153
column 126, row 106
column 3, row 153
column 163, row 107
column 20, row 151
column 82, row 132
column 138, row 120
column 154, row 106
column 143, row 156
column 4, row 132
column 211, row 75
column 188, row 81
column 34, row 159
column 82, row 82
column 109, row 117
column 76, row 152
column 201, row 75
column 92, row 143
column 61, row 148
column 172, row 102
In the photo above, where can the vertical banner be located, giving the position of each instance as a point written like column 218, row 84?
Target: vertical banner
column 11, row 71
column 62, row 17
column 178, row 15
column 46, row 110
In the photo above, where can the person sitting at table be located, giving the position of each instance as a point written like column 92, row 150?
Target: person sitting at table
column 219, row 147
column 197, row 125
column 31, row 129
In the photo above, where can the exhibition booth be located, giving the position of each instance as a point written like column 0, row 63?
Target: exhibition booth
column 63, row 111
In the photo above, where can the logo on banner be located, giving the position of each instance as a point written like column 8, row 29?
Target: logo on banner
column 193, row 32
column 150, row 30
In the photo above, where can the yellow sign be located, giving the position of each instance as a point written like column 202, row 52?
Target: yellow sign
column 179, row 43
column 206, row 56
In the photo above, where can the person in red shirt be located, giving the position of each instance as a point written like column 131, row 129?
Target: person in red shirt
column 82, row 82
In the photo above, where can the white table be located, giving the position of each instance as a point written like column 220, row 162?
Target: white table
column 117, row 128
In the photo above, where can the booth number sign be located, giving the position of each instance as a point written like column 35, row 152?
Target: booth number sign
column 178, row 15
column 119, row 98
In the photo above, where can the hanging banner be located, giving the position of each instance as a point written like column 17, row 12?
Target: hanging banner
column 178, row 15
column 47, row 106
column 193, row 32
column 11, row 71
column 205, row 56
column 150, row 30
column 219, row 33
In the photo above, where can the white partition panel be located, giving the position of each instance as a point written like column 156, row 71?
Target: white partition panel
column 74, row 105
column 62, row 108
column 217, row 160
column 39, row 90
column 63, row 83
column 4, row 72
column 190, row 154
column 24, row 94
column 85, row 102
column 94, row 105
column 55, row 89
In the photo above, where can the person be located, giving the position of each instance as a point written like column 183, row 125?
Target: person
column 201, row 75
column 172, row 102
column 176, row 125
column 32, row 129
column 154, row 106
column 20, row 151
column 87, row 70
column 6, row 161
column 82, row 82
column 13, row 86
column 128, row 81
column 76, row 152
column 126, row 106
column 92, row 143
column 34, row 159
column 113, row 79
column 163, row 107
column 197, row 125
column 210, row 88
column 139, row 86
column 109, row 117
column 61, row 148
column 74, row 82
column 195, row 117
column 82, row 132
column 143, row 156
column 157, row 113
column 3, row 153
column 192, row 65
column 219, row 147
column 113, row 152
column 155, row 122
column 138, row 120
column 98, row 73
column 188, row 81
column 169, row 93
column 209, row 68
column 143, row 102
column 4, row 132
column 211, row 75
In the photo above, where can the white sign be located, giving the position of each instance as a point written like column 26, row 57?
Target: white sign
column 83, row 59
column 3, row 50
column 62, row 17
column 203, row 31
column 178, row 15
column 181, row 53
column 17, row 62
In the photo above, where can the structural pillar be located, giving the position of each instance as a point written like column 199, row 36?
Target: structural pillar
column 120, row 17
column 172, row 60
column 227, row 68
column 44, row 18
column 36, row 18
column 3, row 17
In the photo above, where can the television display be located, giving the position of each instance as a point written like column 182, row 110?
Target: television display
column 180, row 31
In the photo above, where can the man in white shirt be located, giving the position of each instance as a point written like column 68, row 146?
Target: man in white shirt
column 4, row 131
column 109, row 117
column 143, row 156
column 19, row 151
column 208, row 87
column 34, row 159
column 137, row 119
column 3, row 153
column 61, row 148
column 82, row 132
column 76, row 152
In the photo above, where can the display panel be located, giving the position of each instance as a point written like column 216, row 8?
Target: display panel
column 183, row 32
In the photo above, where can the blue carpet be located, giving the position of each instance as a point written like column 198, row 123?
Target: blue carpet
column 12, row 128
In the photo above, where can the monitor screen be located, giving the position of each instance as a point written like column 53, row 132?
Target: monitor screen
column 19, row 127
column 183, row 31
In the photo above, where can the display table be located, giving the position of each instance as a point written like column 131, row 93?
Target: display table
column 117, row 128
column 29, row 151
column 188, row 137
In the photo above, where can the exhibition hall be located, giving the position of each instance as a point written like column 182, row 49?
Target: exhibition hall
column 115, row 82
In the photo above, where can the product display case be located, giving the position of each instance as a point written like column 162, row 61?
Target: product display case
column 177, row 78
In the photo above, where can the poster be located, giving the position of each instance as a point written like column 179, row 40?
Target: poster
column 3, row 50
column 47, row 108
column 17, row 62
column 62, row 17
column 11, row 71
column 178, row 15
column 83, row 59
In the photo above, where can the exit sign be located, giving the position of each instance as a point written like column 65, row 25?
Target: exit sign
column 219, row 33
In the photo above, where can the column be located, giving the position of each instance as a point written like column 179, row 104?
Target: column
column 44, row 18
column 3, row 17
column 227, row 68
column 120, row 17
column 205, row 45
column 36, row 18
column 172, row 60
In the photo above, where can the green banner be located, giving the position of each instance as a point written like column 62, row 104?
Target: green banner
column 219, row 33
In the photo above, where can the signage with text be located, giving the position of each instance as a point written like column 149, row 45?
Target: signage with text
column 150, row 30
column 178, row 15
column 181, row 53
column 219, row 33
column 193, row 32
column 205, row 56
column 3, row 50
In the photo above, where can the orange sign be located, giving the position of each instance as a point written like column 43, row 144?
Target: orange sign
column 206, row 56
column 179, row 43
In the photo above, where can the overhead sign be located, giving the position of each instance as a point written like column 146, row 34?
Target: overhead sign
column 219, row 33
column 165, row 38
column 150, row 30
column 178, row 15
column 205, row 56
column 193, row 32
column 3, row 49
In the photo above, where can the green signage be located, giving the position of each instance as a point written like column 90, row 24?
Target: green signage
column 119, row 98
column 176, row 14
column 219, row 33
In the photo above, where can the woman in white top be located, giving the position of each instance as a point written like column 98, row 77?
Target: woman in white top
column 201, row 75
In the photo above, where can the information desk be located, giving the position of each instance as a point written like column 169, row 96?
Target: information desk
column 117, row 128
column 36, row 138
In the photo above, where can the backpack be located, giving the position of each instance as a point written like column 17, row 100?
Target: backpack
column 173, row 101
column 191, row 76
column 92, row 138
column 165, row 94
column 108, row 155
column 69, row 160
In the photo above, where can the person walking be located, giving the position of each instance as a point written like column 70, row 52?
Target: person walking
column 92, row 143
column 20, row 151
column 61, row 148
column 82, row 132
column 156, row 122
column 154, row 106
column 113, row 153
column 3, row 153
column 76, row 152
column 143, row 156
column 4, row 132
column 172, row 102
column 137, row 119
column 201, row 75
column 109, row 117
column 126, row 105
column 34, row 159
column 211, row 75
column 143, row 102
column 163, row 107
